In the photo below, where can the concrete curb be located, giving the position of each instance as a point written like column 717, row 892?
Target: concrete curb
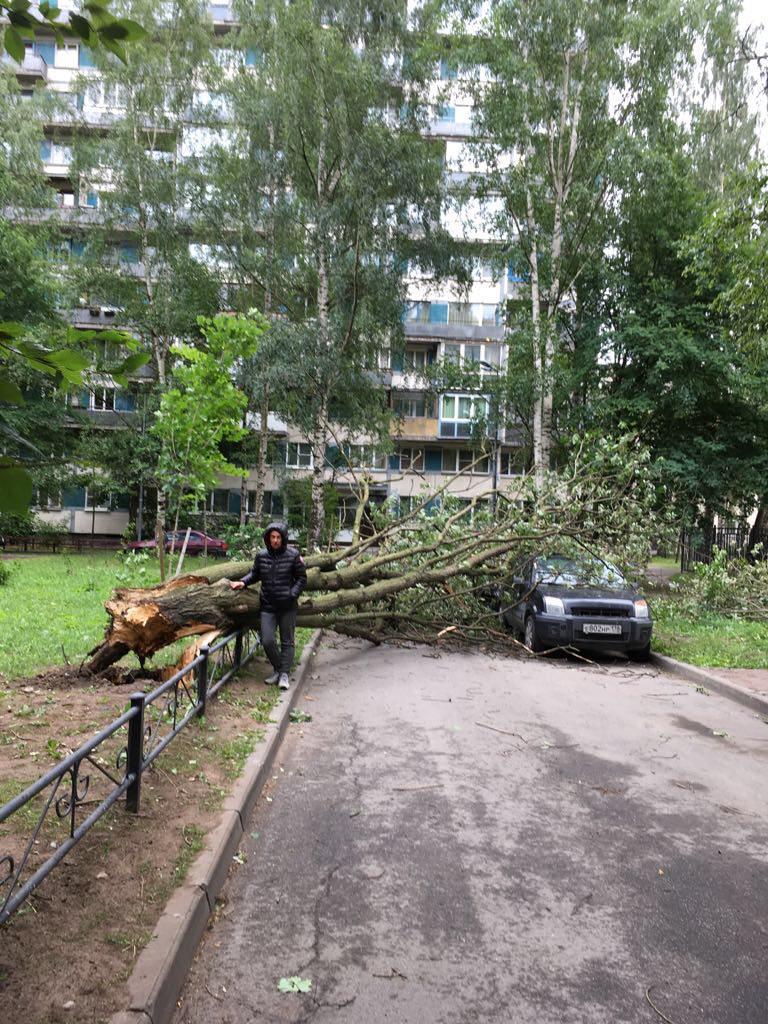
column 162, row 966
column 704, row 677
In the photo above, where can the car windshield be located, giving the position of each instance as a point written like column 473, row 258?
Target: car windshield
column 578, row 572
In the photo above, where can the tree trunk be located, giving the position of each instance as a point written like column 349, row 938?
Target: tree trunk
column 758, row 529
column 146, row 620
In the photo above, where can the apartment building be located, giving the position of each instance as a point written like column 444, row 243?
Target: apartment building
column 435, row 439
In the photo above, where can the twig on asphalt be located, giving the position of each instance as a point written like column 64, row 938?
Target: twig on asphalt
column 220, row 998
column 393, row 973
column 415, row 789
column 504, row 732
column 654, row 1007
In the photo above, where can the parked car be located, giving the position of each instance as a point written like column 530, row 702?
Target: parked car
column 195, row 546
column 557, row 601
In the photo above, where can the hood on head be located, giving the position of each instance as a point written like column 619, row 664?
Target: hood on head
column 281, row 528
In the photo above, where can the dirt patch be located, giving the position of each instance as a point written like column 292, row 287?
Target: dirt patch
column 76, row 938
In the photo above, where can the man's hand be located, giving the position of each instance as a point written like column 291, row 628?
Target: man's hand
column 237, row 584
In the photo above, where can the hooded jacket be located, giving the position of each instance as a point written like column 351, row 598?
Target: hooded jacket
column 281, row 573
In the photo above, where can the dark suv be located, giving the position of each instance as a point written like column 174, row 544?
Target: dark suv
column 583, row 602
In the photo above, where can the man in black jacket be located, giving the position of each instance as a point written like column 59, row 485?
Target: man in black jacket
column 282, row 575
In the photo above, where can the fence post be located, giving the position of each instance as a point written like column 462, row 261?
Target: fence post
column 202, row 682
column 238, row 648
column 135, row 754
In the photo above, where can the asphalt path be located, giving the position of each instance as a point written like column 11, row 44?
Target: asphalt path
column 457, row 839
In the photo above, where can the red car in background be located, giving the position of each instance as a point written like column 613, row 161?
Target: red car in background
column 197, row 544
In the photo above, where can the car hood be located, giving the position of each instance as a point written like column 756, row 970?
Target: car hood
column 571, row 593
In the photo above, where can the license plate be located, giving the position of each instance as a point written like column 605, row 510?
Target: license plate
column 602, row 627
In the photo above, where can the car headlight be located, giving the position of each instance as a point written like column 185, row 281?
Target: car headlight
column 553, row 606
column 641, row 609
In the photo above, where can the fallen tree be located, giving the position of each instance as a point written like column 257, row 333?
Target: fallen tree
column 423, row 576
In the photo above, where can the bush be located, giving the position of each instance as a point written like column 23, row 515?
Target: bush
column 6, row 569
column 50, row 533
column 735, row 588
column 14, row 525
column 244, row 541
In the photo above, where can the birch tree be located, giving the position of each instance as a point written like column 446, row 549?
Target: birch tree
column 332, row 185
column 145, row 251
column 563, row 87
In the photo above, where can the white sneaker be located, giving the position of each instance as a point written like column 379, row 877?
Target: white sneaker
column 271, row 680
column 284, row 682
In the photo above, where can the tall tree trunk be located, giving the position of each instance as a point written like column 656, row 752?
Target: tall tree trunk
column 244, row 483
column 261, row 464
column 538, row 362
column 317, row 508
column 758, row 530
column 317, row 511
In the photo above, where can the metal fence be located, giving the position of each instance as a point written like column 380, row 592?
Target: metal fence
column 733, row 540
column 115, row 760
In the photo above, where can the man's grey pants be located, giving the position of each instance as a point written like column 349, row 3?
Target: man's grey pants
column 282, row 657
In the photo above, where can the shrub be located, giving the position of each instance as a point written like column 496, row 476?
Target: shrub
column 50, row 533
column 6, row 569
column 243, row 541
column 730, row 588
column 14, row 525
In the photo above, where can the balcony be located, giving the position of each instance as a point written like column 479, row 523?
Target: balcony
column 94, row 317
column 32, row 69
column 415, row 428
column 415, row 329
column 223, row 17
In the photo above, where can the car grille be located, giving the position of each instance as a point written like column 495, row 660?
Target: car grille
column 611, row 611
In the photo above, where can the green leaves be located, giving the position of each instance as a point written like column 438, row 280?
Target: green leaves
column 15, row 487
column 10, row 393
column 294, row 984
column 98, row 28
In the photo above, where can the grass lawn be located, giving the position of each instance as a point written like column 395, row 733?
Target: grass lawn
column 53, row 605
column 664, row 563
column 714, row 641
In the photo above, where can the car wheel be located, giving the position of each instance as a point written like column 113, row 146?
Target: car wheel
column 642, row 654
column 530, row 639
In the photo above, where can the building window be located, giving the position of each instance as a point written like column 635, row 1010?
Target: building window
column 103, row 399
column 411, row 460
column 447, row 70
column 446, row 115
column 473, row 462
column 73, row 497
column 298, row 455
column 219, row 500
column 46, row 500
column 417, row 359
column 413, row 406
column 125, row 401
column 458, row 412
column 46, row 50
column 365, row 456
column 85, row 57
column 97, row 500
column 514, row 462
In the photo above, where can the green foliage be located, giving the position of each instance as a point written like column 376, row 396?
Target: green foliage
column 94, row 24
column 736, row 587
column 297, row 501
column 204, row 408
column 17, row 524
column 294, row 984
column 244, row 541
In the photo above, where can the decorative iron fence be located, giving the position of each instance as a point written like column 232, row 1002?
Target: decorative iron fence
column 115, row 759
column 733, row 540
